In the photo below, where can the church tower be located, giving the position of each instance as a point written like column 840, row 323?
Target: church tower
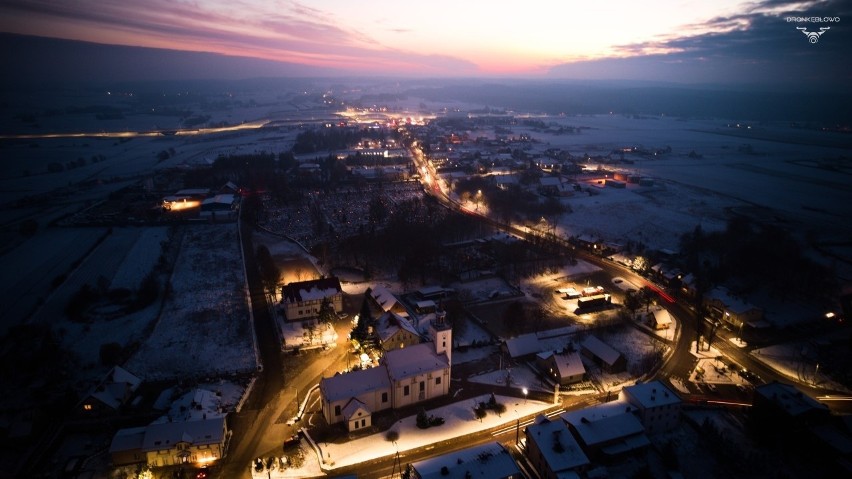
column 441, row 333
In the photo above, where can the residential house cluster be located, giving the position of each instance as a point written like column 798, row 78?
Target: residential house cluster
column 567, row 446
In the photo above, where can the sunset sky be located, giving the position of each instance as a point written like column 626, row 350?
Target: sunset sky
column 532, row 38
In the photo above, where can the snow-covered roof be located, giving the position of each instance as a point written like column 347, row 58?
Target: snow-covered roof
column 127, row 439
column 523, row 345
column 787, row 397
column 167, row 434
column 651, row 394
column 116, row 387
column 735, row 305
column 597, row 412
column 389, row 323
column 569, row 364
column 352, row 407
column 601, row 350
column 533, row 343
column 490, row 460
column 195, row 405
column 550, row 181
column 222, row 199
column 414, row 360
column 608, row 429
column 193, row 192
column 383, row 297
column 559, row 448
column 661, row 316
column 355, row 383
column 311, row 290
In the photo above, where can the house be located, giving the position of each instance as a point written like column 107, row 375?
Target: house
column 486, row 461
column 564, row 369
column 603, row 354
column 733, row 311
column 222, row 206
column 126, row 447
column 303, row 299
column 405, row 376
column 607, row 436
column 113, row 392
column 185, row 442
column 552, row 450
column 395, row 332
column 782, row 403
column 656, row 406
column 659, row 319
column 194, row 430
column 386, row 300
column 169, row 443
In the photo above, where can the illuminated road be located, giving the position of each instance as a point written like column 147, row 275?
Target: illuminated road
column 681, row 362
column 252, row 125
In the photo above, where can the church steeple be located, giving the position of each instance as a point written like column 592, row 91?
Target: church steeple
column 442, row 335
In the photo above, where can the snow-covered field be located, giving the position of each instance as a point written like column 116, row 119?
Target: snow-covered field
column 204, row 326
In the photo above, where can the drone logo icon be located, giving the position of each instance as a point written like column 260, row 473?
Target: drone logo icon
column 813, row 37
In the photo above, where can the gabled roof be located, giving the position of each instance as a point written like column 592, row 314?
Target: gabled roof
column 355, row 383
column 391, row 323
column 352, row 407
column 311, row 290
column 166, row 435
column 601, row 350
column 413, row 360
column 127, row 439
column 116, row 387
column 569, row 364
column 383, row 297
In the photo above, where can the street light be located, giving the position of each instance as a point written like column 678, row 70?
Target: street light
column 525, row 391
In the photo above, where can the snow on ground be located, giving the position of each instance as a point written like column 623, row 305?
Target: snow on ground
column 518, row 377
column 304, row 334
column 141, row 258
column 798, row 361
column 29, row 269
column 127, row 254
column 467, row 355
column 714, row 371
column 471, row 332
column 459, row 420
column 637, row 347
column 204, row 326
column 483, row 289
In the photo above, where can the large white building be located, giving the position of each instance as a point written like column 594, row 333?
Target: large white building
column 405, row 376
column 657, row 407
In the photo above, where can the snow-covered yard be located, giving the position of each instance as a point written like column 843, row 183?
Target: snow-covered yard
column 204, row 328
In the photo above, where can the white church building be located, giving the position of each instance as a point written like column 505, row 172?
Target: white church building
column 405, row 376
